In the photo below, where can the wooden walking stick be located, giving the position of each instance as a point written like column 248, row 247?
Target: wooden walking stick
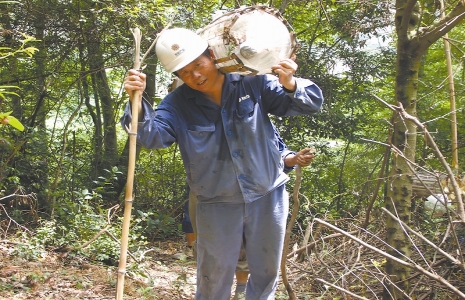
column 295, row 210
column 131, row 167
column 132, row 161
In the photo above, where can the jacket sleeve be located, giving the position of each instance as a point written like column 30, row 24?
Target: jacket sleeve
column 283, row 155
column 306, row 99
column 282, row 147
column 155, row 130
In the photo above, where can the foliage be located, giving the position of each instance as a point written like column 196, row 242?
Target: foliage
column 336, row 52
column 76, row 223
column 6, row 52
column 6, row 119
column 67, row 92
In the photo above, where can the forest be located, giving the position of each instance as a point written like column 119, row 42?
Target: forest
column 379, row 213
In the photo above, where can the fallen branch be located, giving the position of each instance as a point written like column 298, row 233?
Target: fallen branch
column 17, row 224
column 313, row 244
column 417, row 267
column 104, row 229
column 340, row 289
column 444, row 253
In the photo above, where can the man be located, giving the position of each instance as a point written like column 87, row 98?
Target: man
column 291, row 159
column 231, row 156
column 302, row 158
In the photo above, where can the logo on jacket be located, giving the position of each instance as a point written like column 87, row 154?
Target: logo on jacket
column 244, row 98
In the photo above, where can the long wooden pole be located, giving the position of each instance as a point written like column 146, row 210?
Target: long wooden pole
column 132, row 160
column 295, row 211
column 130, row 179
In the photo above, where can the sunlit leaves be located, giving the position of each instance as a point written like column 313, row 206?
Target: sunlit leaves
column 7, row 119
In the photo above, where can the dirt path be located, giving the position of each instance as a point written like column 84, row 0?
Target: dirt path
column 165, row 273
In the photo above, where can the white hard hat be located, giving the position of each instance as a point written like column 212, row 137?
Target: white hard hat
column 177, row 47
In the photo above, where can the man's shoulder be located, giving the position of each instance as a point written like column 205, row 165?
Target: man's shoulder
column 254, row 80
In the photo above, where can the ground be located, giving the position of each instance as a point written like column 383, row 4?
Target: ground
column 166, row 272
column 337, row 268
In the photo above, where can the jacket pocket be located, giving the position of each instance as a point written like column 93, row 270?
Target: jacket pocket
column 200, row 130
column 245, row 108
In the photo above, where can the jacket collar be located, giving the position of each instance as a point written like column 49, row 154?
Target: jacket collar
column 230, row 81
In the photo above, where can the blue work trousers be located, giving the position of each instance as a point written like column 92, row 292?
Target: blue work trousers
column 220, row 230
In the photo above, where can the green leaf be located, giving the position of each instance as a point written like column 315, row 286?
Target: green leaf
column 4, row 115
column 15, row 123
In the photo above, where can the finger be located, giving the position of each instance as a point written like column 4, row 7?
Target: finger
column 133, row 73
column 288, row 63
column 305, row 150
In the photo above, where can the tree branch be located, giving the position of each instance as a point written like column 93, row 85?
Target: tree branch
column 406, row 116
column 407, row 11
column 295, row 211
column 452, row 259
column 438, row 30
column 415, row 266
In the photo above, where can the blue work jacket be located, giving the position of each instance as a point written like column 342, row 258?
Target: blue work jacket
column 230, row 153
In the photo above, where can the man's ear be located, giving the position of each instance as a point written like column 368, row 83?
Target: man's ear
column 212, row 54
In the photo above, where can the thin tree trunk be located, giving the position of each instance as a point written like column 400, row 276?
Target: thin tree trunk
column 399, row 193
column 412, row 43
column 453, row 114
column 40, row 114
column 103, row 102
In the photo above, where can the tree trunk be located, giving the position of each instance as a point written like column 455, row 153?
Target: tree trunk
column 105, row 138
column 39, row 114
column 399, row 193
column 412, row 43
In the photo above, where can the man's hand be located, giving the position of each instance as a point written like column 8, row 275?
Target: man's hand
column 305, row 157
column 286, row 69
column 134, row 81
column 302, row 158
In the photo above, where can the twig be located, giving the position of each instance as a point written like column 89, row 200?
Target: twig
column 406, row 116
column 155, row 41
column 399, row 261
column 460, row 206
column 95, row 237
column 12, row 220
column 383, row 169
column 116, row 240
column 452, row 259
column 313, row 244
column 340, row 289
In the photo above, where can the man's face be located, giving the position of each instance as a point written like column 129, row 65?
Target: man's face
column 200, row 74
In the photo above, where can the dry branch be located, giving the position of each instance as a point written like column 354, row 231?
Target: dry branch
column 415, row 266
column 438, row 249
column 405, row 116
column 340, row 289
column 313, row 244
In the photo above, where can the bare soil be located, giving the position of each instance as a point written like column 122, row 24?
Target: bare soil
column 168, row 271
